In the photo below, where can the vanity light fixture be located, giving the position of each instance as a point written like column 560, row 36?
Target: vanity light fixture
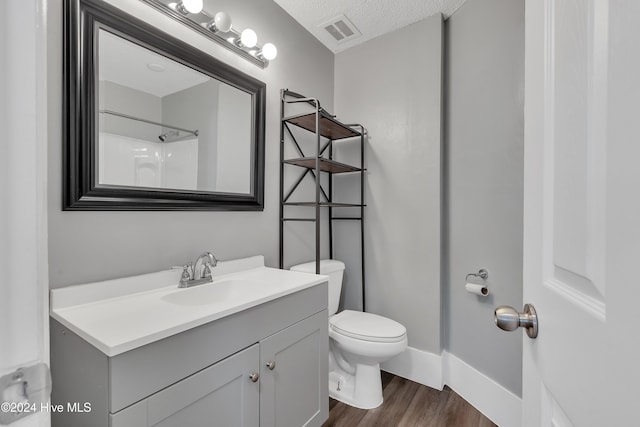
column 218, row 28
column 249, row 38
column 269, row 51
column 188, row 6
column 221, row 22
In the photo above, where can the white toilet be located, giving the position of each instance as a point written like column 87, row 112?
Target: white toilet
column 358, row 342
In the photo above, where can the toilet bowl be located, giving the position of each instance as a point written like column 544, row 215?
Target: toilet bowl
column 358, row 343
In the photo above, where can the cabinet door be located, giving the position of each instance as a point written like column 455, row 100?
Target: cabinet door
column 295, row 392
column 220, row 395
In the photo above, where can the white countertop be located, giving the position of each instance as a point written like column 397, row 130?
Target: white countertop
column 119, row 315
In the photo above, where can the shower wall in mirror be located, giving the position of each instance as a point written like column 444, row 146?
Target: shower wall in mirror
column 153, row 123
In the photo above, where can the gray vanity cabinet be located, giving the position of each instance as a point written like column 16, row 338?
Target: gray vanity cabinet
column 204, row 376
column 279, row 382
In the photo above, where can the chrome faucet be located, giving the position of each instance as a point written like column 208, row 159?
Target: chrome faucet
column 203, row 266
column 198, row 273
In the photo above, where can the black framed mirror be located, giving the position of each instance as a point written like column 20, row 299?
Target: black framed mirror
column 152, row 123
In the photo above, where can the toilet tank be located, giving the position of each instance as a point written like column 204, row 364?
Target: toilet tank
column 329, row 267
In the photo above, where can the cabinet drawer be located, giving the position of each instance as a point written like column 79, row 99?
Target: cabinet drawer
column 222, row 393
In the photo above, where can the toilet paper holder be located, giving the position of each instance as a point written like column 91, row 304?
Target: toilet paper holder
column 482, row 273
column 475, row 288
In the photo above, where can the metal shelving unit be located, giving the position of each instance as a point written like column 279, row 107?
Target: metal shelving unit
column 323, row 126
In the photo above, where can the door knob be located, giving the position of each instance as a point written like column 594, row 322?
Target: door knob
column 254, row 377
column 508, row 319
column 271, row 365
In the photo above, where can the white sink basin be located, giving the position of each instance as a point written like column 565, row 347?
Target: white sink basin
column 119, row 315
column 216, row 292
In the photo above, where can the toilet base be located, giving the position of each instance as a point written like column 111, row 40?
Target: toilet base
column 362, row 390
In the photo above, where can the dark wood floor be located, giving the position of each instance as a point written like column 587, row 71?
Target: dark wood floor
column 409, row 404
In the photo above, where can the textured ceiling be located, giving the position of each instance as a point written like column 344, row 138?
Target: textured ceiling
column 371, row 17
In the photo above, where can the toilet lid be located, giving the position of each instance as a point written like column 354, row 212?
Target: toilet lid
column 367, row 326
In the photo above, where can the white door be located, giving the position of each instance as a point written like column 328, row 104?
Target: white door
column 582, row 212
column 23, row 245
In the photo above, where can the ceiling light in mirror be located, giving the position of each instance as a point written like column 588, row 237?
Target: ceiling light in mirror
column 158, row 68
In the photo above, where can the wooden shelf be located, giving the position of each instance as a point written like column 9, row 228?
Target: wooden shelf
column 329, row 127
column 326, row 165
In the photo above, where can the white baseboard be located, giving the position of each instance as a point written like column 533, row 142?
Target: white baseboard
column 417, row 365
column 496, row 402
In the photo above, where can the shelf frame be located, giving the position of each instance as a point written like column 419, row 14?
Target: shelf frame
column 323, row 125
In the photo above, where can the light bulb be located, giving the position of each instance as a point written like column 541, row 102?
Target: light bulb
column 249, row 38
column 269, row 51
column 192, row 6
column 222, row 21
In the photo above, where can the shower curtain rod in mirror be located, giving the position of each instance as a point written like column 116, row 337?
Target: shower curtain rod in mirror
column 126, row 116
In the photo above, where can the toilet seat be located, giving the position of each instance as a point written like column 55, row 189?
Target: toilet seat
column 367, row 327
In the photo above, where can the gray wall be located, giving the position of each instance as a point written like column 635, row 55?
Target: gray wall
column 88, row 246
column 393, row 85
column 234, row 137
column 484, row 136
column 197, row 108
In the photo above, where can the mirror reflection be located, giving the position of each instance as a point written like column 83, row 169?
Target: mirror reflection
column 164, row 125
